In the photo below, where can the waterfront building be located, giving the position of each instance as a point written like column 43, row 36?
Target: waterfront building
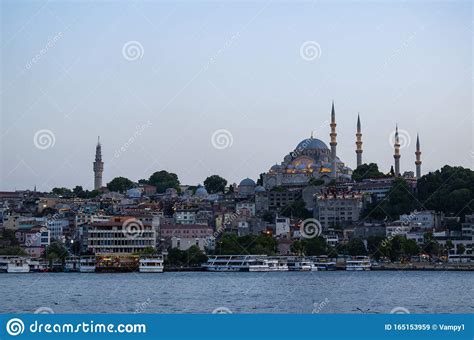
column 117, row 236
column 183, row 236
column 282, row 226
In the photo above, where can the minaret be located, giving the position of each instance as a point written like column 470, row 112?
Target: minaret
column 333, row 143
column 98, row 166
column 359, row 142
column 418, row 157
column 396, row 155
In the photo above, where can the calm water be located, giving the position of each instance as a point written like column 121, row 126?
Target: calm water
column 201, row 292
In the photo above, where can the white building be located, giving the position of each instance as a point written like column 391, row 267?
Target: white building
column 282, row 226
column 426, row 219
column 245, row 208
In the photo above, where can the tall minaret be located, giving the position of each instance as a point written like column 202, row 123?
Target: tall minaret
column 333, row 143
column 359, row 142
column 98, row 166
column 418, row 157
column 396, row 155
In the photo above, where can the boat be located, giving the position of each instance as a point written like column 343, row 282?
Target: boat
column 277, row 264
column 37, row 265
column 4, row 264
column 72, row 264
column 114, row 263
column 358, row 263
column 237, row 263
column 151, row 264
column 299, row 264
column 323, row 263
column 87, row 264
column 18, row 265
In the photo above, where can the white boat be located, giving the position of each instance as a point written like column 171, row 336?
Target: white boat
column 358, row 263
column 4, row 264
column 18, row 265
column 37, row 265
column 323, row 263
column 299, row 264
column 87, row 264
column 277, row 264
column 237, row 263
column 151, row 264
column 72, row 264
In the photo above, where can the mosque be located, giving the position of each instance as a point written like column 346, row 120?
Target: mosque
column 312, row 159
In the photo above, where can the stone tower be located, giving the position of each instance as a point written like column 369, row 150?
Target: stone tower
column 333, row 143
column 396, row 155
column 418, row 157
column 98, row 166
column 359, row 142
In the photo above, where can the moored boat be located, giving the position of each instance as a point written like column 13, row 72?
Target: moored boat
column 87, row 264
column 151, row 264
column 72, row 264
column 237, row 263
column 299, row 264
column 358, row 263
column 18, row 265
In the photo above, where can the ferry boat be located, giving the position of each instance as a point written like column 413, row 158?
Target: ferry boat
column 299, row 264
column 277, row 265
column 323, row 263
column 72, row 264
column 37, row 265
column 358, row 263
column 151, row 264
column 114, row 263
column 18, row 265
column 4, row 264
column 87, row 264
column 237, row 263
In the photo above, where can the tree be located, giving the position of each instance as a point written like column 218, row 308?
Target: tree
column 399, row 200
column 315, row 246
column 297, row 247
column 163, row 180
column 120, row 184
column 215, row 184
column 297, row 209
column 78, row 190
column 260, row 179
column 461, row 249
column 356, row 247
column 450, row 190
column 56, row 251
column 62, row 192
column 366, row 171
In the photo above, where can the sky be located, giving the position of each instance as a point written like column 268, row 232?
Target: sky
column 227, row 88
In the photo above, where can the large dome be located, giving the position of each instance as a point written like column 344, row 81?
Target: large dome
column 311, row 143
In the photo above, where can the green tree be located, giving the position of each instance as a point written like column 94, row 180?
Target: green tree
column 120, row 184
column 315, row 246
column 62, row 192
column 215, row 184
column 461, row 249
column 78, row 190
column 450, row 190
column 356, row 247
column 163, row 180
column 56, row 251
column 366, row 171
column 297, row 247
column 297, row 209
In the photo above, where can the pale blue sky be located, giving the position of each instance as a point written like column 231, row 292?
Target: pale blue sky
column 228, row 65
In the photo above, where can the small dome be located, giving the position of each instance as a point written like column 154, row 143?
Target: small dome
column 247, row 182
column 201, row 192
column 276, row 167
column 259, row 188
